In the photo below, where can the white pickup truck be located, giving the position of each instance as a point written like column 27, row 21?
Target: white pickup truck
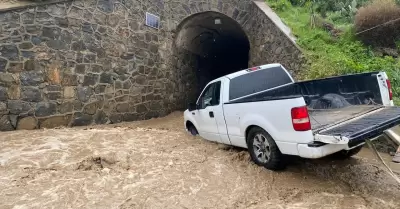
column 264, row 110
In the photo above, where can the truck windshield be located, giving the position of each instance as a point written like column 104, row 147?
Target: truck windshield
column 258, row 81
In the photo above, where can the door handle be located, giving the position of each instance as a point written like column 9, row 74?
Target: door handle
column 211, row 114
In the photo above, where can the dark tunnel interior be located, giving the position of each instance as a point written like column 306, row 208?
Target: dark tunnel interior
column 217, row 44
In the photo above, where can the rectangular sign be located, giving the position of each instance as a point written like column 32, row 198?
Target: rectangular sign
column 152, row 20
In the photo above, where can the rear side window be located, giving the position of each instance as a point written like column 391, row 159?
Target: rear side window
column 257, row 81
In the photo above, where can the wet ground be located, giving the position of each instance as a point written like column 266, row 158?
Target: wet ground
column 154, row 164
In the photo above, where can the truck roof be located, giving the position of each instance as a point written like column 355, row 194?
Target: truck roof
column 245, row 71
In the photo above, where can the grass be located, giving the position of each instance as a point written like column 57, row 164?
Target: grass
column 327, row 55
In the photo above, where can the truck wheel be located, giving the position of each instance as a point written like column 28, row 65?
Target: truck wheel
column 193, row 130
column 263, row 150
column 346, row 154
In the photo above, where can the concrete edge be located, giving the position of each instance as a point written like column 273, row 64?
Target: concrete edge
column 277, row 21
column 5, row 7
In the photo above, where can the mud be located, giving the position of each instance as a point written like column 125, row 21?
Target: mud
column 155, row 164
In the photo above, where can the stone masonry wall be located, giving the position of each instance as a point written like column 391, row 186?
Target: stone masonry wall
column 94, row 61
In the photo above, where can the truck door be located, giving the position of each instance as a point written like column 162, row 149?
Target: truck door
column 207, row 106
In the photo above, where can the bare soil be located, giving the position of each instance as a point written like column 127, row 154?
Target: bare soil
column 155, row 164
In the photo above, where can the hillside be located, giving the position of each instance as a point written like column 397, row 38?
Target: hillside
column 329, row 42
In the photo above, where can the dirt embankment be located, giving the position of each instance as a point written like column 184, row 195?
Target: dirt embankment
column 154, row 164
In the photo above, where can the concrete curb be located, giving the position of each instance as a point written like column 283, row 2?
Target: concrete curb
column 8, row 6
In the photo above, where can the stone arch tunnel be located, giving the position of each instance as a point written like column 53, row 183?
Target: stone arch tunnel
column 76, row 62
column 216, row 44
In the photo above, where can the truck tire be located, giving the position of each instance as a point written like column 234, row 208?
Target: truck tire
column 346, row 154
column 263, row 150
column 193, row 131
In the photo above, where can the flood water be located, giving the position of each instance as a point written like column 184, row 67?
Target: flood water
column 155, row 164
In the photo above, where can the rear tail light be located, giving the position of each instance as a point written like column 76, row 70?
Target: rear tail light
column 300, row 119
column 389, row 86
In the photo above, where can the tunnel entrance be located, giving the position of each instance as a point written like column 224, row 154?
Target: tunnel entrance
column 210, row 45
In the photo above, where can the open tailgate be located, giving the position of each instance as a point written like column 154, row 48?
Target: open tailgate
column 355, row 131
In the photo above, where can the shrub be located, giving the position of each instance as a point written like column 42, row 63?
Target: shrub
column 375, row 24
column 346, row 7
column 279, row 5
column 299, row 2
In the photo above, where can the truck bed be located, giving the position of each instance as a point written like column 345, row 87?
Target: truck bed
column 324, row 118
column 371, row 123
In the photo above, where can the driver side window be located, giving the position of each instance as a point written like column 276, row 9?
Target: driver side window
column 210, row 96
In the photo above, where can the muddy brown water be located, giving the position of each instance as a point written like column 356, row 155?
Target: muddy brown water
column 155, row 164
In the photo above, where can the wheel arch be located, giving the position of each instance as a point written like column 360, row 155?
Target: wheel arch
column 250, row 127
column 246, row 133
column 189, row 124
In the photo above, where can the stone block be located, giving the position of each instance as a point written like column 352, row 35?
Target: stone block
column 69, row 80
column 96, row 68
column 91, row 108
column 116, row 118
column 29, row 65
column 81, row 68
column 100, row 117
column 66, row 107
column 131, row 117
column 25, row 45
column 53, row 73
column 150, row 115
column 5, row 123
column 87, row 27
column 112, row 20
column 141, row 108
column 53, row 88
column 89, row 58
column 3, row 108
column 14, row 92
column 45, row 109
column 31, row 78
column 84, row 93
column 3, row 94
column 53, row 95
column 55, row 121
column 27, row 123
column 90, row 79
column 13, row 120
column 28, row 54
column 18, row 106
column 155, row 105
column 124, row 98
column 14, row 67
column 9, row 52
column 52, row 33
column 78, row 105
column 3, row 64
column 69, row 92
column 118, row 84
column 123, row 107
column 107, row 78
column 8, row 79
column 31, row 94
column 62, row 22
column 27, row 18
column 82, row 119
column 141, row 80
column 36, row 40
column 100, row 89
column 127, row 84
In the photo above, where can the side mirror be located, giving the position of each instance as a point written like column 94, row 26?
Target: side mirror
column 192, row 106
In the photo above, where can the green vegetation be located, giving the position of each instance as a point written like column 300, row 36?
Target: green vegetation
column 325, row 31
